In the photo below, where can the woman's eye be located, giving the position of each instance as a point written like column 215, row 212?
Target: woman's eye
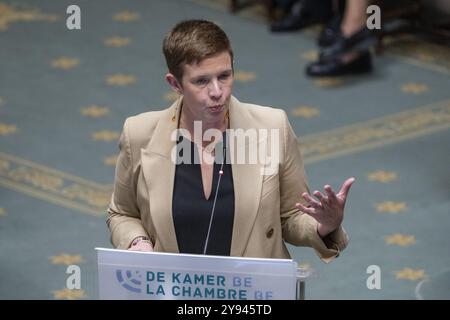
column 200, row 81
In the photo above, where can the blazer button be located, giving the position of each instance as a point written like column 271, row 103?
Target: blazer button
column 269, row 233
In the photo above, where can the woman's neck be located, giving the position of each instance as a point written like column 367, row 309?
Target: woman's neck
column 187, row 122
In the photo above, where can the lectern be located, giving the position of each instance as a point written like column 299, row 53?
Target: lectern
column 138, row 275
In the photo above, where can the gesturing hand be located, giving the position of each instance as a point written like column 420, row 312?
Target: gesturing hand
column 327, row 210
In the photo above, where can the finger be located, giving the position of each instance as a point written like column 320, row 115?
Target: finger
column 308, row 210
column 321, row 197
column 330, row 193
column 346, row 186
column 313, row 202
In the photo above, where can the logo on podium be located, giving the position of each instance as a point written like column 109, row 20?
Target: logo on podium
column 139, row 275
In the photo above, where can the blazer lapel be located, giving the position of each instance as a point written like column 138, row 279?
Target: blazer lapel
column 247, row 178
column 159, row 173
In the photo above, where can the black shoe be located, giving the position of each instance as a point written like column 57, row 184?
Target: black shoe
column 330, row 68
column 361, row 41
column 330, row 33
column 303, row 14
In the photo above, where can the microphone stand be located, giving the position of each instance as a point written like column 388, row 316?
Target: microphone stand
column 215, row 197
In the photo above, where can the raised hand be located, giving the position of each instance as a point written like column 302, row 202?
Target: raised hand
column 328, row 210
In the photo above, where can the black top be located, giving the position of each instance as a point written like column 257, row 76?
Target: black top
column 191, row 210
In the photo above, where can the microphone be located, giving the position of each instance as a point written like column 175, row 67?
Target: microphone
column 215, row 198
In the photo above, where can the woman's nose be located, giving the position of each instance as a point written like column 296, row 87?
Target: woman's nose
column 215, row 89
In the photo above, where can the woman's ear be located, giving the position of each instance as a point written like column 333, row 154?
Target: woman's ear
column 174, row 83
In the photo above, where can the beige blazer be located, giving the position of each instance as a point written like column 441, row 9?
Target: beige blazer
column 265, row 214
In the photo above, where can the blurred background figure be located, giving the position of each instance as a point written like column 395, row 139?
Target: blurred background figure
column 345, row 43
column 302, row 14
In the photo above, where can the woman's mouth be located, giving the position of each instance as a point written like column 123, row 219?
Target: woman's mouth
column 216, row 109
